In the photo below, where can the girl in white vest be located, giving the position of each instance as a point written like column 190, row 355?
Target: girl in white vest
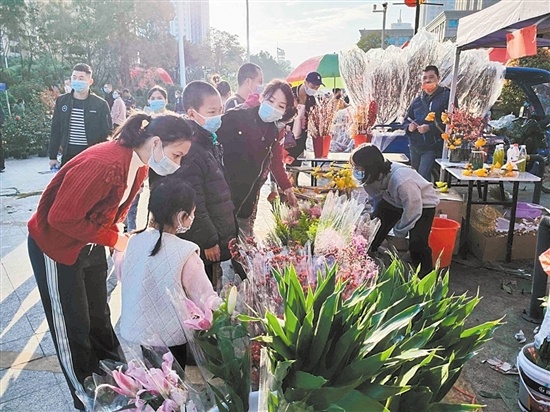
column 157, row 261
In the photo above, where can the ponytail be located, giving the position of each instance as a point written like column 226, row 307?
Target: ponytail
column 140, row 126
column 158, row 244
column 133, row 133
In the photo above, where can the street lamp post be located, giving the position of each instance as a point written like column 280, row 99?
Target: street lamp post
column 247, row 32
column 181, row 37
column 383, row 11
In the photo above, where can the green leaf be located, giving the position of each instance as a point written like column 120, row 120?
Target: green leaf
column 322, row 329
column 304, row 380
column 381, row 392
column 448, row 407
column 363, row 368
column 274, row 324
column 397, row 322
column 357, row 401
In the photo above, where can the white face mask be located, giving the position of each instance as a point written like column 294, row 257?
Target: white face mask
column 181, row 228
column 310, row 92
column 165, row 167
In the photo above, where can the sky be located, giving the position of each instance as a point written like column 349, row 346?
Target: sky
column 303, row 28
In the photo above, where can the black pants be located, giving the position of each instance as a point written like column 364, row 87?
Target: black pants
column 421, row 253
column 75, row 302
column 297, row 150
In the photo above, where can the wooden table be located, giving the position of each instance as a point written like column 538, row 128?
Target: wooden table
column 521, row 177
column 340, row 158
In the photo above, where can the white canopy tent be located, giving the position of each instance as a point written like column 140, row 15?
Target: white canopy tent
column 488, row 28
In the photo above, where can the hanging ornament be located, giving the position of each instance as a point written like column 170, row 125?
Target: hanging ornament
column 412, row 3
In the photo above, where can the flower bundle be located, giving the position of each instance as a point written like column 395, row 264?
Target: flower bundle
column 219, row 341
column 340, row 177
column 321, row 117
column 389, row 347
column 364, row 118
column 461, row 123
column 294, row 225
column 140, row 388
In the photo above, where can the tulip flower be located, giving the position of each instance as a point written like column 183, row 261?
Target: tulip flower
column 232, row 300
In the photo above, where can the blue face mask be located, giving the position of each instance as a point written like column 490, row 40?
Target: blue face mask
column 79, row 85
column 165, row 167
column 268, row 113
column 211, row 124
column 359, row 175
column 157, row 105
column 260, row 88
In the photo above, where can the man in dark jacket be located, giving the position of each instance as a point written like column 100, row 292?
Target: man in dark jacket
column 305, row 96
column 424, row 135
column 80, row 118
column 251, row 81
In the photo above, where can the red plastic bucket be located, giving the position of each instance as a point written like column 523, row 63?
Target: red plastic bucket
column 442, row 240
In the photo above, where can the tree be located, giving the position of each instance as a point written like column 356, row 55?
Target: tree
column 227, row 54
column 371, row 41
column 271, row 68
column 512, row 97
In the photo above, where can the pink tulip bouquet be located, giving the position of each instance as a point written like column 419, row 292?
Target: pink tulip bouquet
column 219, row 341
column 141, row 388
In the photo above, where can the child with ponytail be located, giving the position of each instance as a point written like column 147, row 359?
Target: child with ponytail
column 157, row 261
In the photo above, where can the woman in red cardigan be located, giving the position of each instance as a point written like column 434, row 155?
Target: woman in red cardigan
column 76, row 218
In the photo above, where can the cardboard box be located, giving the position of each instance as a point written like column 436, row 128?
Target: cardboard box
column 487, row 248
column 453, row 206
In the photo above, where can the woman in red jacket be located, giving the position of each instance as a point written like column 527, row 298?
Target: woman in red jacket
column 76, row 218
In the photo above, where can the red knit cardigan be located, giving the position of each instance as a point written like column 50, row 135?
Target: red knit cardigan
column 81, row 203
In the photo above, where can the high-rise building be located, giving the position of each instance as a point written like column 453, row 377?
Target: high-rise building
column 430, row 12
column 445, row 24
column 474, row 5
column 196, row 16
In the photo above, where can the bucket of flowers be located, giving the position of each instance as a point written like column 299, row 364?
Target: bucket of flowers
column 320, row 125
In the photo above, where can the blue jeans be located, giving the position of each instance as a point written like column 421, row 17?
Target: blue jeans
column 132, row 214
column 423, row 160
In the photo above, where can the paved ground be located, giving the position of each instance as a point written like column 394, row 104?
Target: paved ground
column 30, row 378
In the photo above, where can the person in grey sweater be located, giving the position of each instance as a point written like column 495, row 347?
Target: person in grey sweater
column 405, row 201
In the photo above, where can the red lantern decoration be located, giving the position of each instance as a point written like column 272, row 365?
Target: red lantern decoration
column 412, row 3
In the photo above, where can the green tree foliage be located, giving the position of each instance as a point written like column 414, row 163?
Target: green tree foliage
column 371, row 41
column 512, row 97
column 271, row 68
column 226, row 53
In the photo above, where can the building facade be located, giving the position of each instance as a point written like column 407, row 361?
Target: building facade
column 196, row 21
column 398, row 34
column 445, row 25
column 430, row 12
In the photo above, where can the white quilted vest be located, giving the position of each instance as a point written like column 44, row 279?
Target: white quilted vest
column 148, row 316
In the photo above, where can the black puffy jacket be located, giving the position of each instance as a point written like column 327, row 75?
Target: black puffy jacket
column 202, row 168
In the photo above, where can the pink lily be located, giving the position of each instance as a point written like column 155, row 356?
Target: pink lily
column 168, row 406
column 158, row 381
column 127, row 386
column 169, row 373
column 197, row 319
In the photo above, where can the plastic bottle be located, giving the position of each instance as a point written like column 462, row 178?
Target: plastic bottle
column 513, row 153
column 498, row 155
column 522, row 158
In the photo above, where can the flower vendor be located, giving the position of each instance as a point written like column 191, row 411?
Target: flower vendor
column 405, row 201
